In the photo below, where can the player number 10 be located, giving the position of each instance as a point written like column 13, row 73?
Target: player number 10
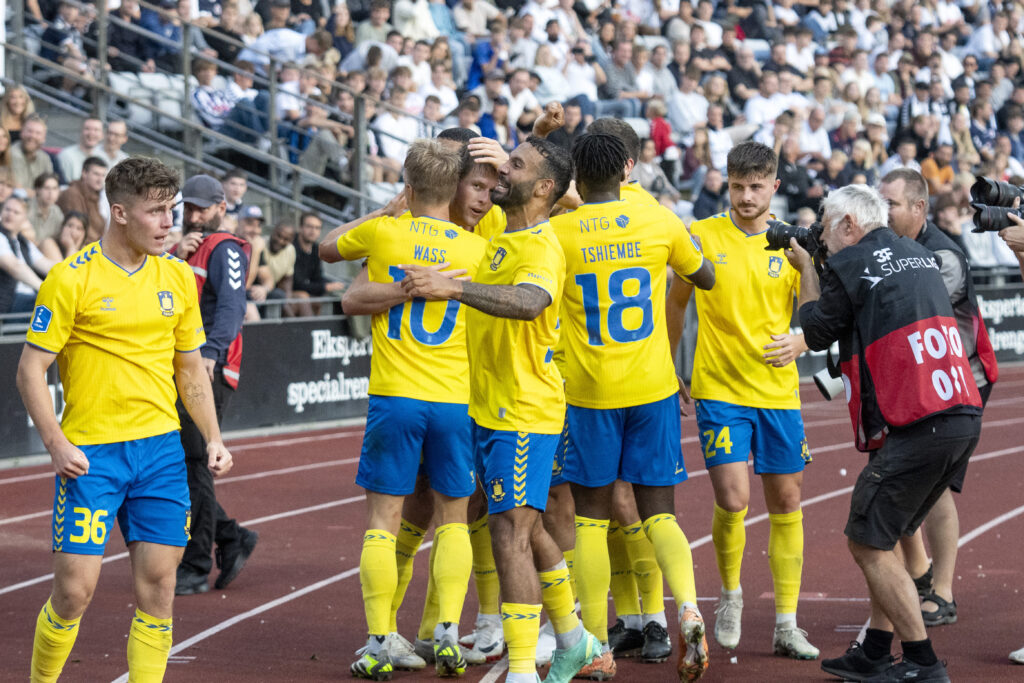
column 621, row 302
column 418, row 306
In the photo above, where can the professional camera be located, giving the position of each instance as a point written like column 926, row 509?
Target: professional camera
column 993, row 203
column 779, row 234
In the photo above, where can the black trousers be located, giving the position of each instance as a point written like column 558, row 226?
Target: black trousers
column 210, row 524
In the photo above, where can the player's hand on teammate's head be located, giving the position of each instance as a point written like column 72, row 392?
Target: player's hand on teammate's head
column 684, row 396
column 69, row 461
column 487, row 151
column 427, row 282
column 551, row 120
column 219, row 458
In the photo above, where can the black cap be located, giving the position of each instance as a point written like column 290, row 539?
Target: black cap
column 203, row 191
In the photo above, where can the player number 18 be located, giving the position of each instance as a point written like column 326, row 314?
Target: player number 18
column 621, row 302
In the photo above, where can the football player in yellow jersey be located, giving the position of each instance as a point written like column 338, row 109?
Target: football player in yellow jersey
column 418, row 394
column 122, row 320
column 747, row 390
column 623, row 410
column 517, row 404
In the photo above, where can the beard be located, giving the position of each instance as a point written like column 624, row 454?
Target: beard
column 211, row 225
column 515, row 196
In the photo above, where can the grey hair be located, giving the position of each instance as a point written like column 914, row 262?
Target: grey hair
column 865, row 204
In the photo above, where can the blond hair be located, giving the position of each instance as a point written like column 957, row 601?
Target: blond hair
column 432, row 170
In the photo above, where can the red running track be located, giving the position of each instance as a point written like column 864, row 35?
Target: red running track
column 295, row 613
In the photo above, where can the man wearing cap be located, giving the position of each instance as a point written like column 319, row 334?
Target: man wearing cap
column 219, row 261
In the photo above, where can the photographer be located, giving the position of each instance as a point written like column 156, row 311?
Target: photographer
column 913, row 402
column 907, row 194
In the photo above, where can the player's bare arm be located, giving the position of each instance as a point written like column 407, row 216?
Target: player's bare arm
column 675, row 313
column 798, row 257
column 519, row 302
column 704, row 278
column 197, row 396
column 367, row 298
column 68, row 460
column 329, row 245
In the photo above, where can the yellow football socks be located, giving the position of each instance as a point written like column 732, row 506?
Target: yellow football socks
column 430, row 607
column 674, row 557
column 407, row 543
column 556, row 594
column 593, row 577
column 53, row 641
column 644, row 564
column 378, row 574
column 570, row 558
column 149, row 645
column 485, row 572
column 786, row 558
column 521, row 624
column 730, row 537
column 451, row 570
column 623, row 585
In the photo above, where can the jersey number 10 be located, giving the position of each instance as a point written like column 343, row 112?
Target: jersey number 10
column 621, row 302
column 417, row 308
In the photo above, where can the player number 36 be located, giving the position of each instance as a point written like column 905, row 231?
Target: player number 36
column 91, row 524
column 620, row 303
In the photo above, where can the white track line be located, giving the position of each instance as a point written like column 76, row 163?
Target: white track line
column 260, row 609
column 250, row 522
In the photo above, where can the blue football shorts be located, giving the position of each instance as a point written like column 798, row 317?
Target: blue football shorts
column 515, row 467
column 730, row 433
column 558, row 466
column 639, row 444
column 142, row 483
column 401, row 431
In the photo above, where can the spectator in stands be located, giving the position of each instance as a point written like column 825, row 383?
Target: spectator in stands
column 843, row 137
column 472, row 16
column 468, row 113
column 796, row 184
column 397, row 131
column 497, row 125
column 225, row 35
column 5, row 150
column 63, row 43
column 442, row 87
column 620, row 94
column 6, row 185
column 663, row 83
column 211, row 105
column 649, row 173
column 763, row 108
column 377, row 26
column 69, row 238
column 83, row 195
column 937, row 169
column 831, row 176
column 252, row 29
column 71, row 158
column 490, row 54
column 687, row 106
column 43, row 212
column 236, row 184
column 946, row 215
column 983, row 129
column 127, row 43
column 745, row 76
column 861, row 163
column 167, row 23
column 814, row 143
column 412, row 18
column 713, row 197
column 308, row 279
column 342, row 30
column 905, row 157
column 286, row 45
column 278, row 267
column 1013, row 167
column 15, row 107
column 22, row 265
column 113, row 141
column 28, row 158
column 572, row 127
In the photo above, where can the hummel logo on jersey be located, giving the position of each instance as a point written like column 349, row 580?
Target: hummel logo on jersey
column 108, row 304
column 720, row 258
column 499, row 256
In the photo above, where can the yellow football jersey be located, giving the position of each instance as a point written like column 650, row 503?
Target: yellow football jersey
column 115, row 334
column 419, row 347
column 613, row 309
column 515, row 384
column 752, row 299
column 633, row 191
column 492, row 223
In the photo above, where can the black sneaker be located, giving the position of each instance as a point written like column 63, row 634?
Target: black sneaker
column 624, row 642
column 855, row 665
column 657, row 645
column 190, row 583
column 232, row 559
column 906, row 670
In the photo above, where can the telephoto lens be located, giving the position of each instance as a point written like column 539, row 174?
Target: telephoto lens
column 993, row 218
column 994, row 193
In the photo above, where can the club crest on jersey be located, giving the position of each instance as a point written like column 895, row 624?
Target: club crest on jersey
column 622, row 221
column 774, row 266
column 497, row 487
column 166, row 302
column 499, row 256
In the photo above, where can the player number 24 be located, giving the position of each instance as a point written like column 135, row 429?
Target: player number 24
column 712, row 444
column 91, row 524
column 621, row 302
